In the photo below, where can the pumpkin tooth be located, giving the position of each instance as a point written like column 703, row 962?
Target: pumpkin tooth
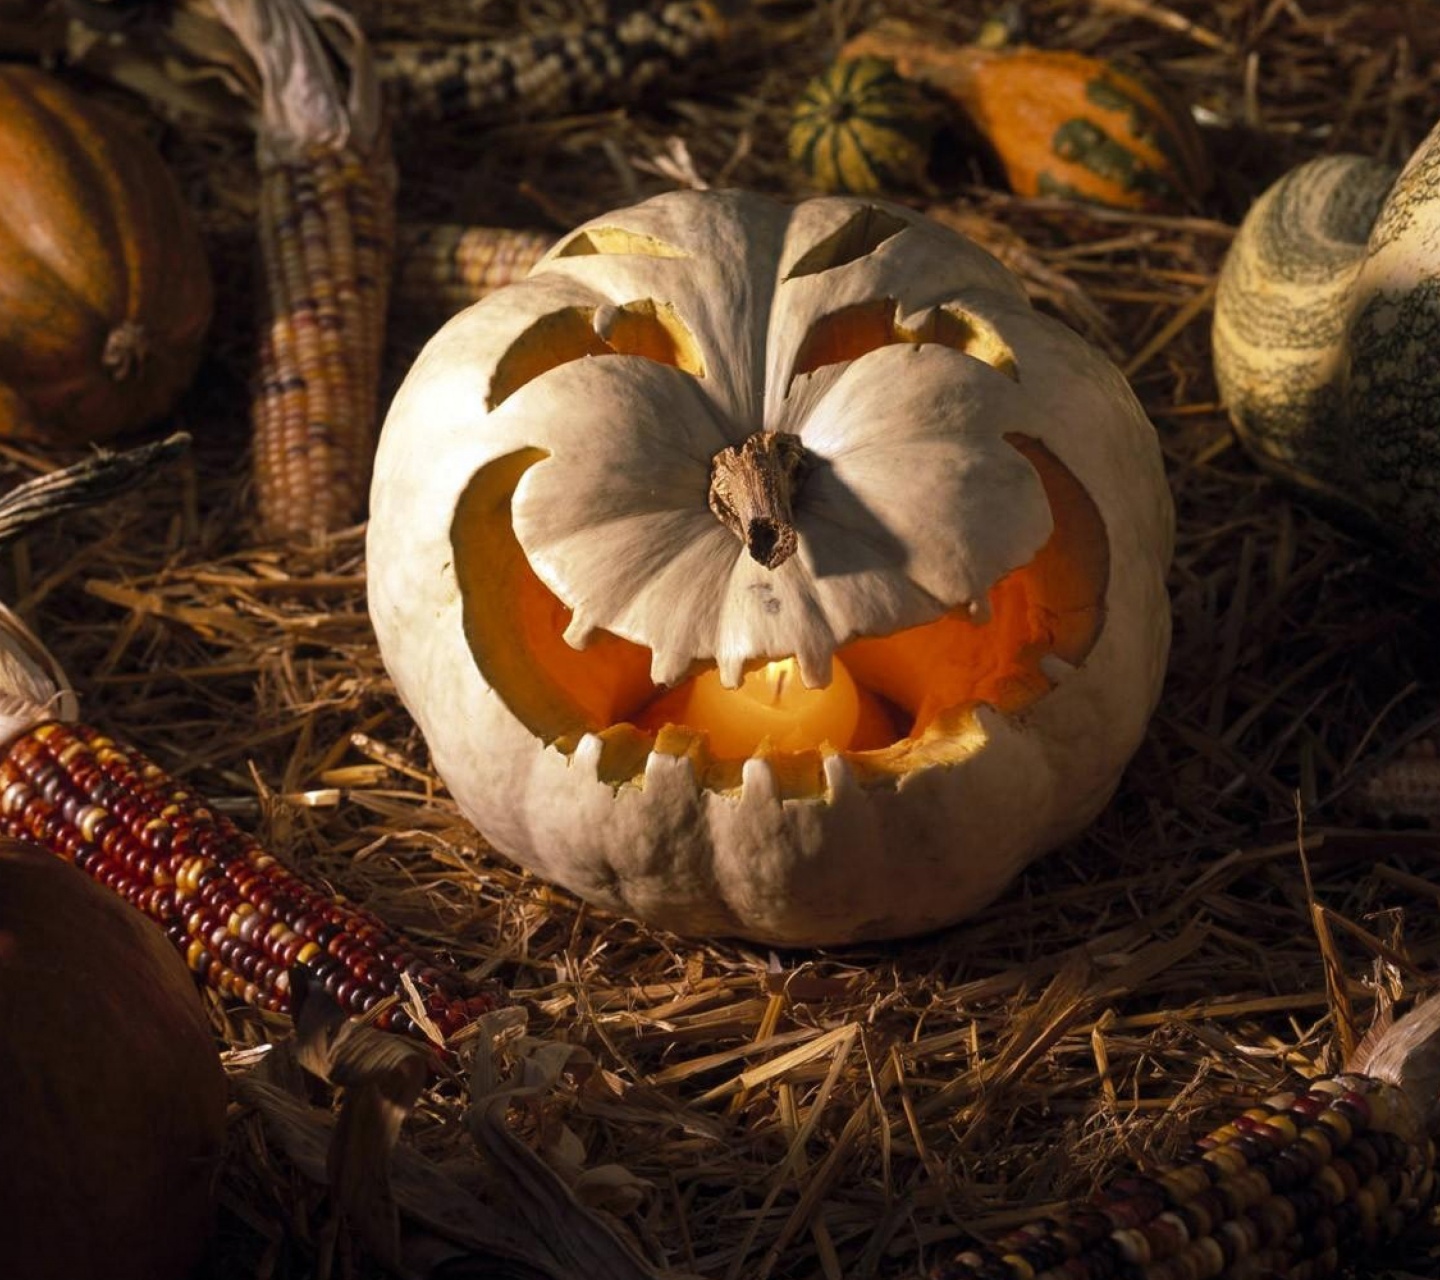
column 758, row 784
column 668, row 669
column 817, row 667
column 916, row 321
column 839, row 776
column 587, row 755
column 239, row 917
column 1285, row 1188
column 326, row 239
column 1055, row 669
column 578, row 630
column 603, row 321
column 529, row 77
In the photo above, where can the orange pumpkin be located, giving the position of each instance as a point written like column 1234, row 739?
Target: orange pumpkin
column 105, row 289
column 112, row 1097
column 1060, row 123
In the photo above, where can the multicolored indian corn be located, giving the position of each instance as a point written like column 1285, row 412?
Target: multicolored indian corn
column 241, row 919
column 442, row 268
column 327, row 233
column 1284, row 1190
column 531, row 77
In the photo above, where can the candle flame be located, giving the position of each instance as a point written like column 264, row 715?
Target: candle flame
column 773, row 709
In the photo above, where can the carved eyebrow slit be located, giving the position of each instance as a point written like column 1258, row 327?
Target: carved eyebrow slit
column 616, row 240
column 863, row 327
column 858, row 236
column 644, row 327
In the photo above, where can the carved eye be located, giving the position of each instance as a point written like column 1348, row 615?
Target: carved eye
column 645, row 328
column 862, row 327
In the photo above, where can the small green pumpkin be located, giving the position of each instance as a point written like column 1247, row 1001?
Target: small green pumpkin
column 861, row 127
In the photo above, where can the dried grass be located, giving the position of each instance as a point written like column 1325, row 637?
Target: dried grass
column 846, row 1112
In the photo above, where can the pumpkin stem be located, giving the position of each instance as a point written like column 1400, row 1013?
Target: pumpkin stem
column 752, row 485
column 126, row 347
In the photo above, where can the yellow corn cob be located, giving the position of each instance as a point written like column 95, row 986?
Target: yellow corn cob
column 327, row 246
column 531, row 77
column 243, row 921
column 1284, row 1190
column 442, row 269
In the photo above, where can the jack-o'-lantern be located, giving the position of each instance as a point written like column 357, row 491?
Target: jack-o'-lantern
column 772, row 571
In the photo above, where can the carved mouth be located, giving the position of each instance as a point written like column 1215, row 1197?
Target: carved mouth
column 895, row 703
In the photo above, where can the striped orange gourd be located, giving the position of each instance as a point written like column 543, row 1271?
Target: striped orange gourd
column 1060, row 122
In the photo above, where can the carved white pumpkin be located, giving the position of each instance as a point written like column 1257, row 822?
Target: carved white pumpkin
column 827, row 454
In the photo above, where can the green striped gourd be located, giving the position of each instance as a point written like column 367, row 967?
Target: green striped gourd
column 860, row 127
column 1325, row 334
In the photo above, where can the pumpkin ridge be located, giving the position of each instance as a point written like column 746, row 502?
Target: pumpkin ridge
column 174, row 302
column 132, row 234
column 66, row 258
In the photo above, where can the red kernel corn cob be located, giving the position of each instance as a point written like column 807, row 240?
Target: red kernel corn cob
column 326, row 245
column 443, row 268
column 1283, row 1190
column 532, row 77
column 241, row 919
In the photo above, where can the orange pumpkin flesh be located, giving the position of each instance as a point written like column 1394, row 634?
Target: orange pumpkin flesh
column 105, row 289
column 918, row 688
column 112, row 1097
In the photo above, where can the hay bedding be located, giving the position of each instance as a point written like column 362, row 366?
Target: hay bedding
column 1235, row 915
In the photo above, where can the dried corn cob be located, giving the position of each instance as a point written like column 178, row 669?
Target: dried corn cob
column 1408, row 787
column 326, row 244
column 442, row 268
column 1284, row 1189
column 531, row 77
column 241, row 919
column 327, row 210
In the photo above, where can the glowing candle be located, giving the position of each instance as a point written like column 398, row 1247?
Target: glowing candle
column 772, row 704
